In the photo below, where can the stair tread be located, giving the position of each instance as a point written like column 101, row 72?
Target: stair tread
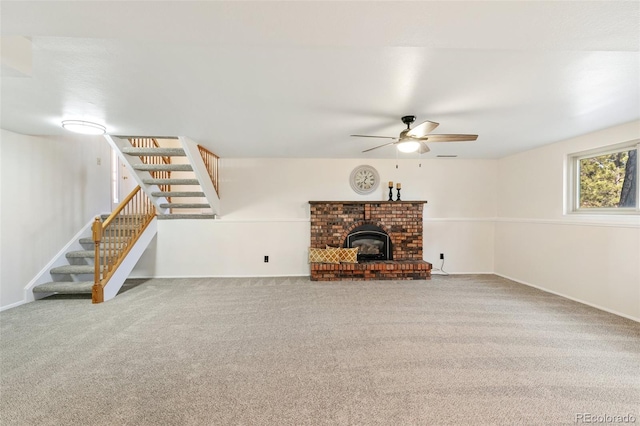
column 104, row 216
column 65, row 287
column 122, row 226
column 89, row 240
column 177, row 194
column 81, row 254
column 73, row 269
column 185, row 205
column 164, row 152
column 164, row 167
column 174, row 216
column 171, row 181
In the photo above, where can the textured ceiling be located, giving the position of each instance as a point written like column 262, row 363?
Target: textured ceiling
column 295, row 79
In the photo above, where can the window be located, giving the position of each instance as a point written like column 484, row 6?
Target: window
column 605, row 180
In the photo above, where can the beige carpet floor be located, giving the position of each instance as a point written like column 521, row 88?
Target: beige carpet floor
column 459, row 350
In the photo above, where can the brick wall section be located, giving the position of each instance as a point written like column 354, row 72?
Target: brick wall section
column 331, row 222
column 385, row 270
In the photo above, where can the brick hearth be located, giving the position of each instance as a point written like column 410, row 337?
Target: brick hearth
column 332, row 221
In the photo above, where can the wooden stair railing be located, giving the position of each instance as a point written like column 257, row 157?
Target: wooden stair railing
column 114, row 238
column 150, row 159
column 211, row 163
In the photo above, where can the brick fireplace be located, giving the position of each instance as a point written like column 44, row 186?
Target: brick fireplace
column 333, row 221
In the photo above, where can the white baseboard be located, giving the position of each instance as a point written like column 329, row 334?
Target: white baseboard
column 13, row 305
column 439, row 272
column 611, row 311
column 148, row 277
column 215, row 276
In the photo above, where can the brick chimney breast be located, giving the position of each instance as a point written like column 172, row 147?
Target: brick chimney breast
column 331, row 222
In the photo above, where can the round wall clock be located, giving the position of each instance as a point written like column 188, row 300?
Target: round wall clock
column 364, row 179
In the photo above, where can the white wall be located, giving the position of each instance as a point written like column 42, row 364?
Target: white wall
column 593, row 259
column 486, row 215
column 49, row 188
column 265, row 211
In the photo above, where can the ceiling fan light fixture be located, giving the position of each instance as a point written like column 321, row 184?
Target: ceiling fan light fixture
column 413, row 140
column 84, row 127
column 408, row 146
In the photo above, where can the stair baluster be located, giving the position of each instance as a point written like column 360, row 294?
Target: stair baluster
column 211, row 163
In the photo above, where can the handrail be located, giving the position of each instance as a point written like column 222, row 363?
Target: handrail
column 122, row 229
column 211, row 163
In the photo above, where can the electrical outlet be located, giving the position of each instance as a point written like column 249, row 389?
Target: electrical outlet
column 442, row 256
column 99, row 161
column 266, row 259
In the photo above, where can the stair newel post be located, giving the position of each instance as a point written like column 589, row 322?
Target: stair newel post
column 97, row 292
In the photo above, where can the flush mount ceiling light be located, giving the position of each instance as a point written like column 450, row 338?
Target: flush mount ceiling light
column 408, row 146
column 84, row 127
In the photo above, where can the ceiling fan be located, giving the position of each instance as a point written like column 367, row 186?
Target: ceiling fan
column 412, row 140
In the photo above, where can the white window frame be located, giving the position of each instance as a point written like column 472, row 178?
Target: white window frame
column 573, row 180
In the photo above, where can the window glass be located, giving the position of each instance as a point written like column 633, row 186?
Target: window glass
column 604, row 180
column 608, row 180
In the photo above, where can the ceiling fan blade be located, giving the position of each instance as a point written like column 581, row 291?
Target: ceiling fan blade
column 449, row 138
column 379, row 137
column 422, row 130
column 380, row 146
column 423, row 148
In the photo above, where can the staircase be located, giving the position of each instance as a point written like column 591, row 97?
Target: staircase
column 102, row 255
column 77, row 276
column 173, row 183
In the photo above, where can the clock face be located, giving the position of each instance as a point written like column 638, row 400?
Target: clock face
column 364, row 179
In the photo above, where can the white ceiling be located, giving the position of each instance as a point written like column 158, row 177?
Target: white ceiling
column 295, row 79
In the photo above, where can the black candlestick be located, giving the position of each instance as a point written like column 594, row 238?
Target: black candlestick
column 398, row 199
column 391, row 193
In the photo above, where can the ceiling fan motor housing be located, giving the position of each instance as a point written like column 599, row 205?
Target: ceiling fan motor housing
column 408, row 119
